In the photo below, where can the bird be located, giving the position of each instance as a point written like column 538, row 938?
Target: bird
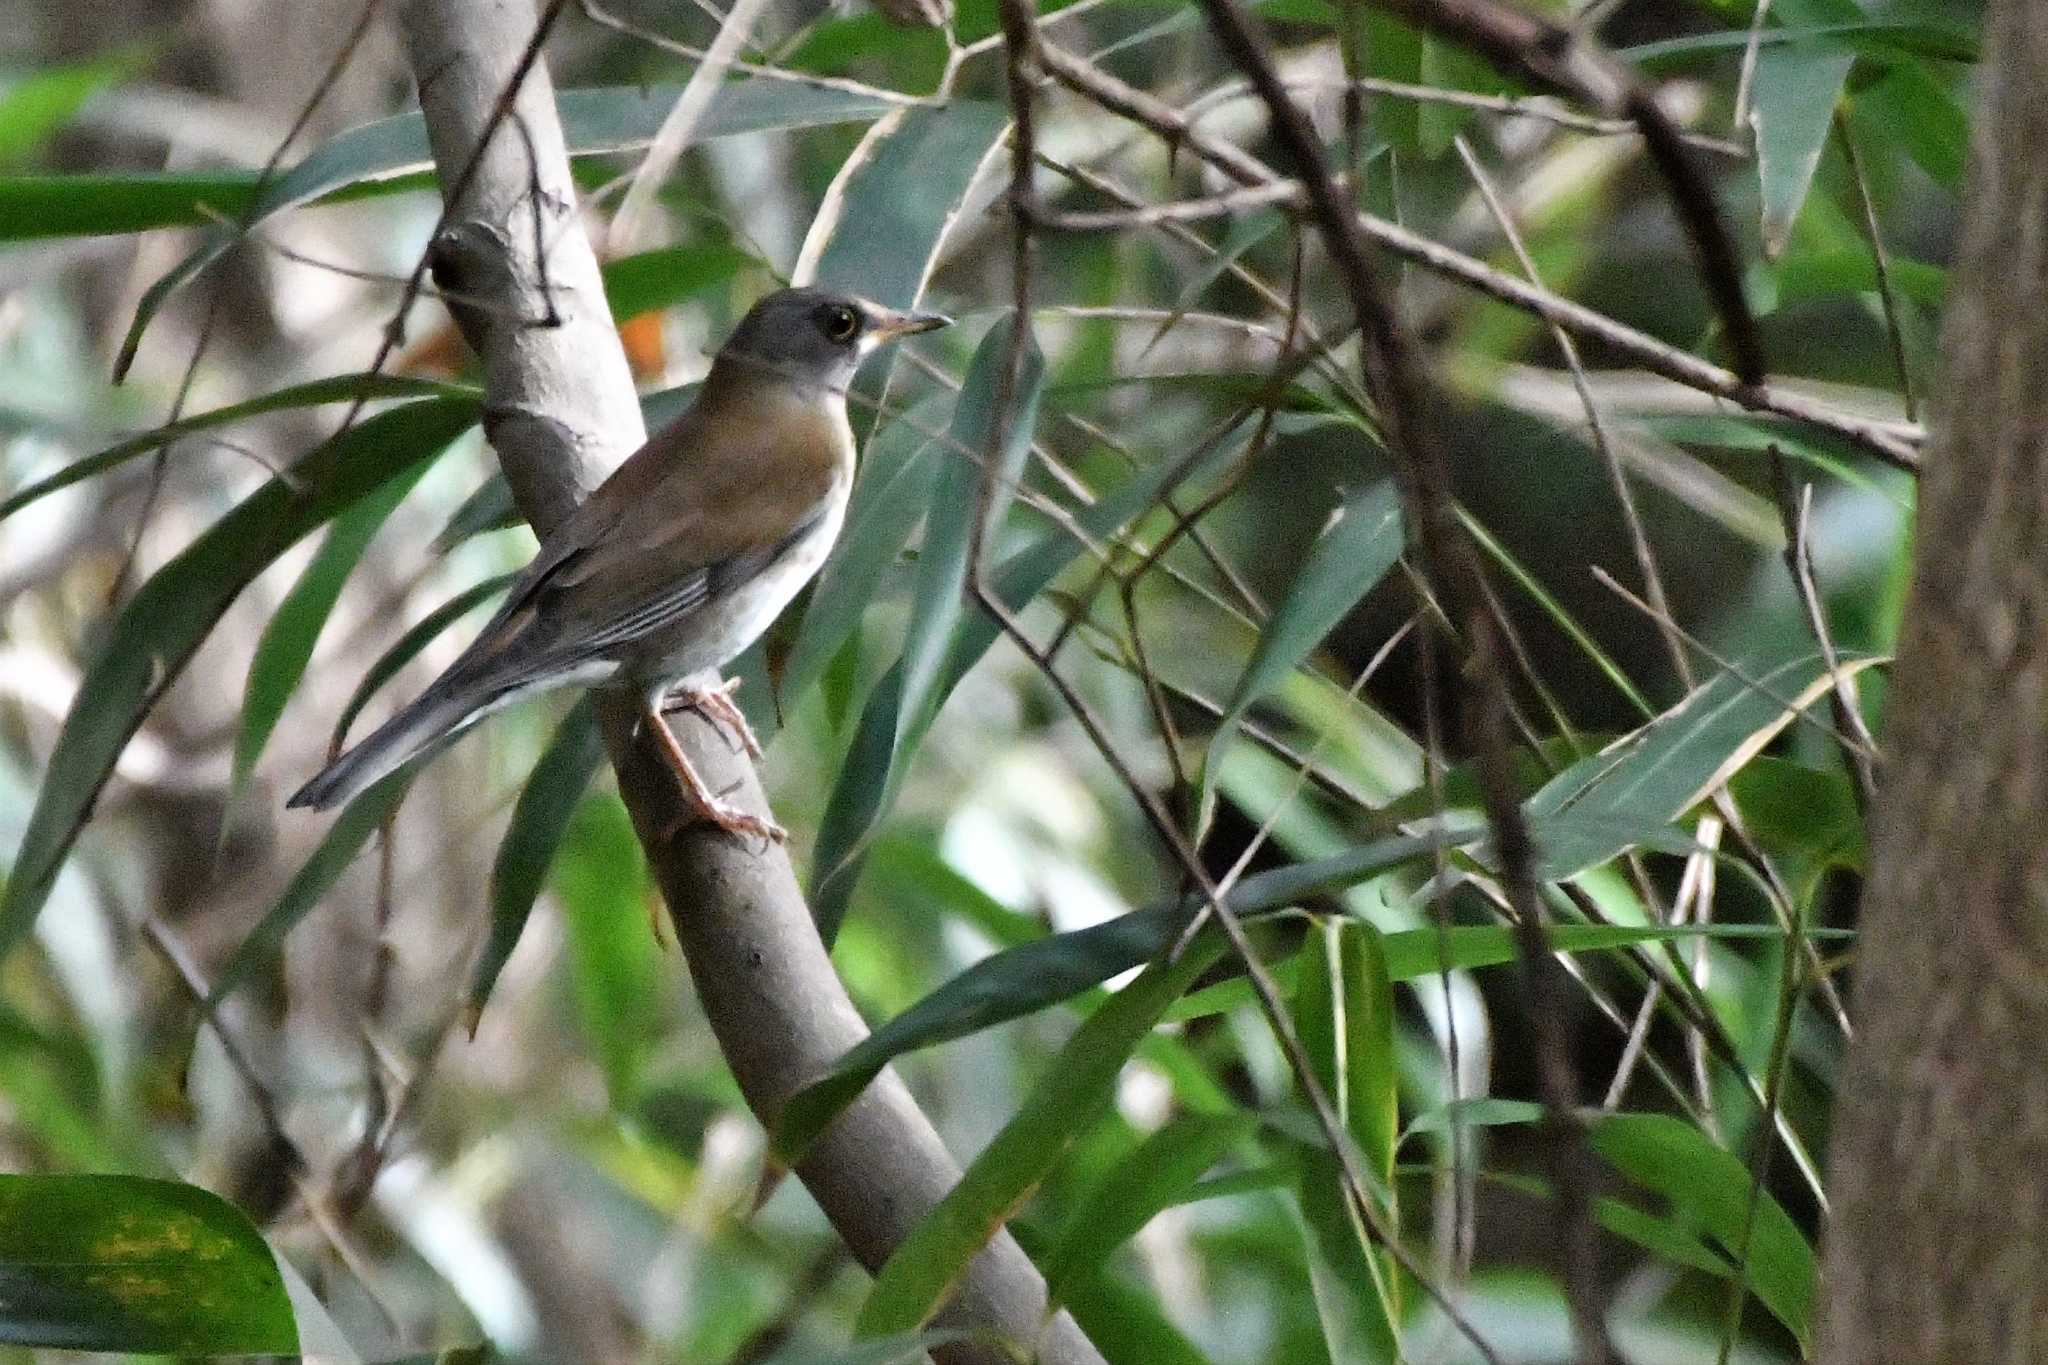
column 679, row 560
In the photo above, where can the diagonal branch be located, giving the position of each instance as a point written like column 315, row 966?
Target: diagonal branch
column 561, row 410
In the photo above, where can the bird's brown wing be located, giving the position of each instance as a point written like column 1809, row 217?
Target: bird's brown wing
column 669, row 530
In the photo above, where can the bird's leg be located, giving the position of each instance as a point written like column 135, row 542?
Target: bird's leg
column 716, row 705
column 709, row 804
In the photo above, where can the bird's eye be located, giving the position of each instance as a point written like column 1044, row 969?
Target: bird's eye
column 841, row 323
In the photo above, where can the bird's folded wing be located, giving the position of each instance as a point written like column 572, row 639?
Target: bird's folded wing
column 666, row 533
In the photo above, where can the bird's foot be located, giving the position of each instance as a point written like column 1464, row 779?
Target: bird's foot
column 727, row 817
column 716, row 705
column 697, row 794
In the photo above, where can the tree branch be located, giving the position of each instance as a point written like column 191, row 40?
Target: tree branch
column 561, row 412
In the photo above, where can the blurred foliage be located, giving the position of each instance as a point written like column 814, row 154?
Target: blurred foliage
column 446, row 1081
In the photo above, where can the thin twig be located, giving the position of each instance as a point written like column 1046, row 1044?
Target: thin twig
column 1407, row 409
column 1881, row 263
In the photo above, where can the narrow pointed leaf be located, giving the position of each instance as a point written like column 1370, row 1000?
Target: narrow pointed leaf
column 1343, row 1014
column 897, row 472
column 294, row 629
column 1025, row 979
column 539, row 820
column 1155, row 1176
column 940, row 596
column 344, row 388
column 163, row 625
column 864, row 790
column 1797, row 86
column 1601, row 805
column 386, row 154
column 1078, row 1088
column 409, row 646
column 1347, row 561
column 1712, row 1186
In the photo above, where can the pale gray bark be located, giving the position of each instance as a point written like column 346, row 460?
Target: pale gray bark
column 561, row 412
column 1937, row 1252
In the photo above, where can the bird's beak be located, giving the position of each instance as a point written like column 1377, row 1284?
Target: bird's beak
column 889, row 324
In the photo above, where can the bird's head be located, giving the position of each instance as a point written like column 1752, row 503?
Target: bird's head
column 815, row 338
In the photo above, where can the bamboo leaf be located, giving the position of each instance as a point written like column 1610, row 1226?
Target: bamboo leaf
column 539, row 820
column 163, row 625
column 1077, row 1090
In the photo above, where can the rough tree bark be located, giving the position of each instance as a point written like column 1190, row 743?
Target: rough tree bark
column 1937, row 1251
column 561, row 412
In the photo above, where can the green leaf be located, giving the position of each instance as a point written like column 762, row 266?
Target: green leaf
column 119, row 1263
column 1415, row 953
column 383, row 156
column 864, row 792
column 409, row 646
column 615, row 966
column 1712, row 1187
column 1797, row 86
column 345, row 388
column 1911, row 108
column 1887, row 40
column 1820, row 274
column 35, row 107
column 288, row 640
column 891, row 205
column 1344, row 1015
column 649, row 281
column 905, row 1348
column 539, row 820
column 1077, row 1089
column 1025, row 979
column 1596, row 808
column 1347, row 561
column 897, row 472
column 939, row 598
column 163, row 625
column 1156, row 1175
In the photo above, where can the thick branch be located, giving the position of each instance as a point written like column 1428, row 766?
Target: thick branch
column 1937, row 1252
column 562, row 411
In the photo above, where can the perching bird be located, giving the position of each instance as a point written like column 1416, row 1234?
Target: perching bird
column 680, row 559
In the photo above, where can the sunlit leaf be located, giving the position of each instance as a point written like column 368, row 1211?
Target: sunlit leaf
column 120, row 1263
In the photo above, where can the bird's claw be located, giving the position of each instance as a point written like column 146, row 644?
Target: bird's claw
column 729, row 818
column 716, row 705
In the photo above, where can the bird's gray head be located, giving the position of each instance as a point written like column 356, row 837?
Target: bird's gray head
column 815, row 338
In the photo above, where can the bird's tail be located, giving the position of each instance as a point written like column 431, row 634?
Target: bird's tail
column 436, row 715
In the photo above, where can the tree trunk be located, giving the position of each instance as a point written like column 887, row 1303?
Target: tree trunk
column 1938, row 1244
column 560, row 413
